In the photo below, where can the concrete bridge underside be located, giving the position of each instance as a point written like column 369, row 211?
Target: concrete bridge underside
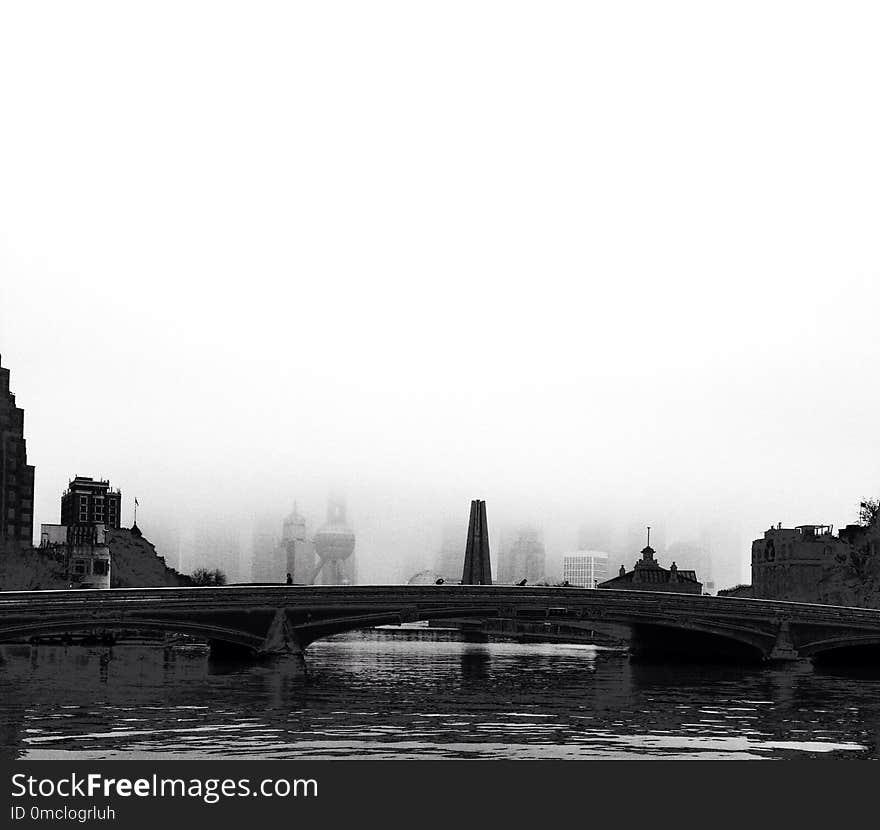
column 279, row 620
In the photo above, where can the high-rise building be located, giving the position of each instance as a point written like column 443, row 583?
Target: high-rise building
column 265, row 552
column 595, row 534
column 585, row 568
column 524, row 558
column 16, row 475
column 293, row 553
column 91, row 502
column 691, row 555
column 298, row 549
column 727, row 551
column 450, row 557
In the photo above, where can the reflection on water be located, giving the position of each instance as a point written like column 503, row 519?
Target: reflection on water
column 385, row 698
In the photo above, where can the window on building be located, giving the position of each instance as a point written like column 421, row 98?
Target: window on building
column 100, row 567
column 79, row 566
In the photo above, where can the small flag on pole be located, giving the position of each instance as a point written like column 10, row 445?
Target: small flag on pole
column 135, row 502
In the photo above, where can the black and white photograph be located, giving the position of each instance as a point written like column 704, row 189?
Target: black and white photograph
column 397, row 381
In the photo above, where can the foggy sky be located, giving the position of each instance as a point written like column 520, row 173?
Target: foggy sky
column 614, row 261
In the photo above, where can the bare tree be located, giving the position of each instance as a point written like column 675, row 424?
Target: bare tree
column 207, row 576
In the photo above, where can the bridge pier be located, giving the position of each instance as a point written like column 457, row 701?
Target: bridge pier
column 282, row 639
column 783, row 650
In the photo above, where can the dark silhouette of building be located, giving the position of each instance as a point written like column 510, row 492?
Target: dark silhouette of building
column 88, row 509
column 90, row 502
column 16, row 475
column 477, row 566
column 812, row 563
column 647, row 575
column 791, row 563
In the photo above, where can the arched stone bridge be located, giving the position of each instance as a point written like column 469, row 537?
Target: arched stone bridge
column 271, row 620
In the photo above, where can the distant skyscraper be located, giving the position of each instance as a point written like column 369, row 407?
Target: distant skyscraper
column 334, row 545
column 523, row 559
column 265, row 552
column 595, row 535
column 450, row 557
column 16, row 475
column 585, row 568
column 293, row 553
column 727, row 552
column 297, row 549
column 691, row 555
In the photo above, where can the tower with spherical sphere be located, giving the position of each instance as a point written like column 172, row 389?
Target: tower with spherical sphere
column 334, row 546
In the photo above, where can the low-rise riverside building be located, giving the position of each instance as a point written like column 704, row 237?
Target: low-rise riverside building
column 82, row 550
column 648, row 575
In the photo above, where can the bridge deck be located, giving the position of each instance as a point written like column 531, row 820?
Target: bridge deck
column 280, row 619
column 449, row 596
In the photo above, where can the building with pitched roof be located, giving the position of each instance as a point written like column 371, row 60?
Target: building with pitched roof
column 648, row 575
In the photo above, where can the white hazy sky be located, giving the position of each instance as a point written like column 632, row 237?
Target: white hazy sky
column 579, row 259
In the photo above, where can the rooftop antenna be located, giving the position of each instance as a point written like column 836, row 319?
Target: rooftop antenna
column 649, row 535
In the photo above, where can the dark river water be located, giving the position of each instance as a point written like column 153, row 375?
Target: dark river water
column 381, row 697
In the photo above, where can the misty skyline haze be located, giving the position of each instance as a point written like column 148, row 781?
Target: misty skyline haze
column 603, row 272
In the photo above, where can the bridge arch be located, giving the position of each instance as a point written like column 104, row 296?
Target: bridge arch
column 845, row 649
column 61, row 627
column 692, row 641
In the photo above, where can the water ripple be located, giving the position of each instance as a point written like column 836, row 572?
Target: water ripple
column 375, row 698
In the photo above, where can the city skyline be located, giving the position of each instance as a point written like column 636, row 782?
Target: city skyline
column 216, row 541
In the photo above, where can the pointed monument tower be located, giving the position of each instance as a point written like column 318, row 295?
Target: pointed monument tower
column 477, row 568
